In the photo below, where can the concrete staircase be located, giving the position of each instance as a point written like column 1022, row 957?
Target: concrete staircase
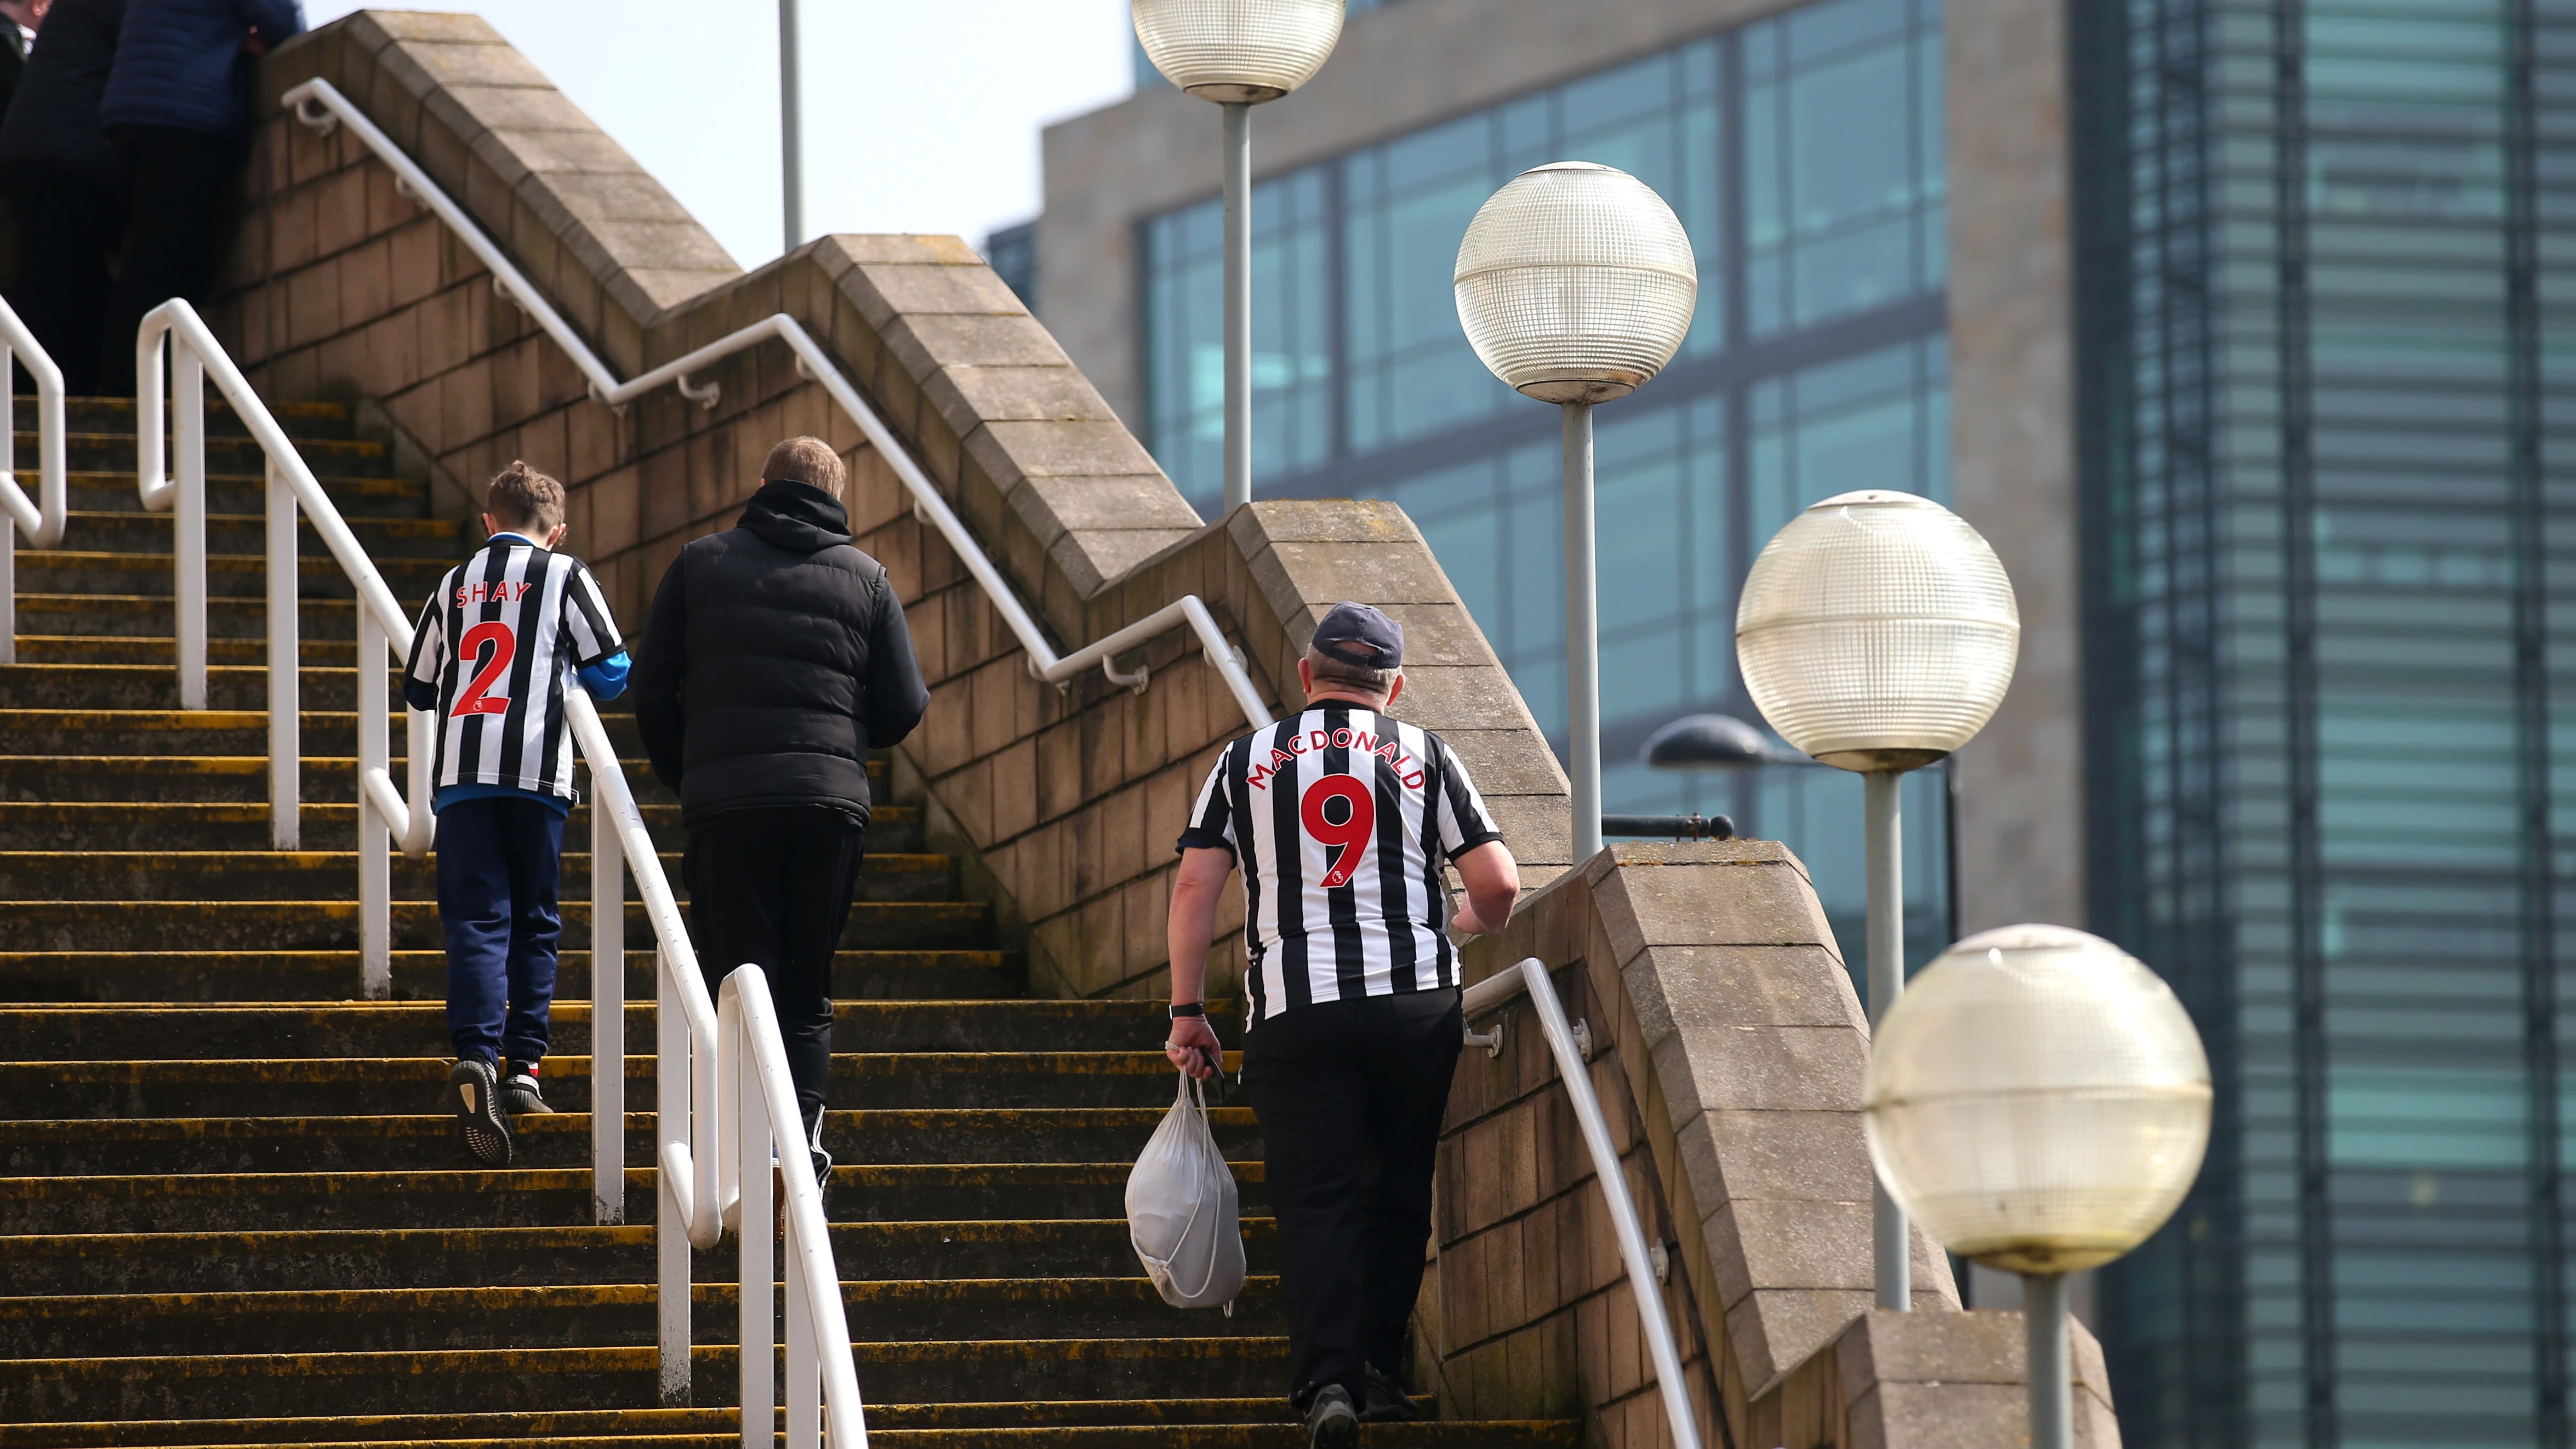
column 232, row 1212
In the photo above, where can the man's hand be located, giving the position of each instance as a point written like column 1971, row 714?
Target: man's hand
column 1493, row 882
column 1193, row 1047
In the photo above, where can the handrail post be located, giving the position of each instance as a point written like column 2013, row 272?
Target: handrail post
column 188, row 537
column 607, row 1011
column 755, row 1331
column 804, row 1386
column 670, row 1221
column 285, row 725
column 8, row 527
column 375, row 843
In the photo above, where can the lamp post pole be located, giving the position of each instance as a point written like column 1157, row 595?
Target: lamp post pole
column 2046, row 1352
column 1582, row 634
column 1884, row 849
column 1238, row 303
column 791, row 125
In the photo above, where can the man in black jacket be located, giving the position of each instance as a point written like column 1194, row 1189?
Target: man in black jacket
column 65, row 188
column 775, row 658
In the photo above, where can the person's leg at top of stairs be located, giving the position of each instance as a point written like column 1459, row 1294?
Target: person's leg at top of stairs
column 536, row 933
column 482, row 845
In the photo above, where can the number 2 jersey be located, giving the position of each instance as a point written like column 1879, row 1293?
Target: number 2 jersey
column 1341, row 820
column 502, row 641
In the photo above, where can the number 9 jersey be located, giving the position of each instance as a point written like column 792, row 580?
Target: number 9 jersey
column 502, row 641
column 1341, row 820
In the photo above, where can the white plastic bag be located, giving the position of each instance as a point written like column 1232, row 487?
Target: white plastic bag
column 1182, row 1209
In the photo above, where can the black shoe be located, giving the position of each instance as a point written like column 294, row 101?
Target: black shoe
column 519, row 1094
column 1386, row 1401
column 1331, row 1422
column 478, row 1112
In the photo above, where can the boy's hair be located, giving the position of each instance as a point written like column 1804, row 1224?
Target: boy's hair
column 1329, row 670
column 806, row 460
column 522, row 496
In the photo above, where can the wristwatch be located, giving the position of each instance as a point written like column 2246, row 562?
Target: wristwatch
column 1188, row 1008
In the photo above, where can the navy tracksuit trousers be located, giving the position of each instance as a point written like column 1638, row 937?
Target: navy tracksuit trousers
column 500, row 860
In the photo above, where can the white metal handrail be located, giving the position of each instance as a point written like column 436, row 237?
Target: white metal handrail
column 42, row 519
column 173, row 330
column 1491, row 994
column 760, row 1097
column 694, row 1058
column 319, row 105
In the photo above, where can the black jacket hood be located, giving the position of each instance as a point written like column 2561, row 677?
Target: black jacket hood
column 797, row 517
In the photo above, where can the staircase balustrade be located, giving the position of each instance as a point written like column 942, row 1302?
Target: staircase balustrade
column 319, row 105
column 41, row 520
column 1573, row 1055
column 710, row 1070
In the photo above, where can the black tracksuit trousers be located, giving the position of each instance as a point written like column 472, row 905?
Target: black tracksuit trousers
column 1351, row 1095
column 771, row 887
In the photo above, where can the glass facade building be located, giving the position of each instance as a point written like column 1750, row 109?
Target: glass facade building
column 1804, row 154
column 2328, row 318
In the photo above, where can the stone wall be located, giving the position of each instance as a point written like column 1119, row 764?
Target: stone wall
column 1729, row 1056
column 1064, row 801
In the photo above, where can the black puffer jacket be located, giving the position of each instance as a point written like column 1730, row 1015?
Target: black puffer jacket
column 775, row 658
column 53, row 117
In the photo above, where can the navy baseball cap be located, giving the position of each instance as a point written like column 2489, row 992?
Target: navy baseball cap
column 1359, row 635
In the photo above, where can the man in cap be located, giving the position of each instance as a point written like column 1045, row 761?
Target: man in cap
column 1342, row 819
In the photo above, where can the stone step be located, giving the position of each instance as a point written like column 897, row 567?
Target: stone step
column 194, row 1261
column 90, row 571
column 148, row 617
column 239, row 825
column 405, row 1085
column 124, row 1146
column 1013, row 1370
column 119, row 415
column 169, row 731
column 114, row 489
column 217, row 779
column 236, row 976
column 329, row 924
column 223, row 875
column 296, row 1031
column 228, row 452
column 471, row 1197
column 1077, row 1422
column 379, row 1320
column 1169, row 1424
column 245, row 533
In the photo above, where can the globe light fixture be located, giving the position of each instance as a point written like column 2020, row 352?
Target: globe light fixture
column 1238, row 53
column 2040, row 1101
column 1576, row 284
column 1877, row 632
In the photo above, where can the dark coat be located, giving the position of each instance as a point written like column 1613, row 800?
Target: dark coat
column 181, row 63
column 775, row 658
column 53, row 120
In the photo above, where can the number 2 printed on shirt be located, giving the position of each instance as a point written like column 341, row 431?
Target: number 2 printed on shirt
column 1349, row 840
column 477, row 698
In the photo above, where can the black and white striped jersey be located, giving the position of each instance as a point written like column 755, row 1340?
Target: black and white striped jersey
column 501, row 641
column 1341, row 820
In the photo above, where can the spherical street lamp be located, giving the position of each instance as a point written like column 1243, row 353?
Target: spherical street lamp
column 1877, row 632
column 1238, row 53
column 2041, row 1102
column 1575, row 285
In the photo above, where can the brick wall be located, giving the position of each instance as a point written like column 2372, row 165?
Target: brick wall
column 1064, row 802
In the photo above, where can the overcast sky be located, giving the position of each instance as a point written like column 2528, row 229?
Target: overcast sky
column 920, row 115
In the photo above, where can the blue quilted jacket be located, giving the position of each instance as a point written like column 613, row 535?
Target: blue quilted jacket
column 180, row 63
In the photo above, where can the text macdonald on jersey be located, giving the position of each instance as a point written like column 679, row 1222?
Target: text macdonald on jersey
column 1407, row 769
